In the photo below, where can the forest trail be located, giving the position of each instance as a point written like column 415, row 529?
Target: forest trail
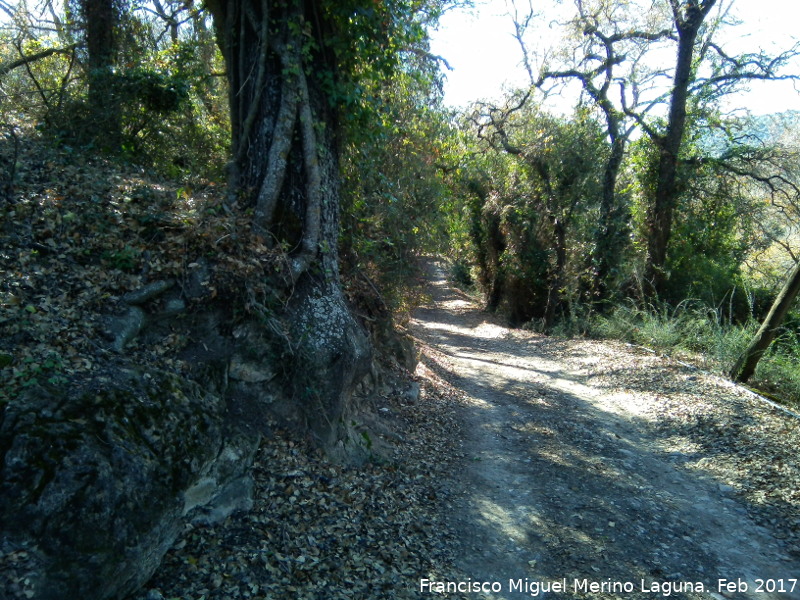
column 598, row 461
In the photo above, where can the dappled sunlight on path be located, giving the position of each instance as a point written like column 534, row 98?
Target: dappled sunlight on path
column 569, row 474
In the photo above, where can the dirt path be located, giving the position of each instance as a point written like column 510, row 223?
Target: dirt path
column 596, row 462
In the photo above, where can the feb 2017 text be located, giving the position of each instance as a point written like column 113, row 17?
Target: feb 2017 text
column 666, row 588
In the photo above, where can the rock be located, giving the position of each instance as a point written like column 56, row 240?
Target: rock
column 197, row 284
column 147, row 292
column 412, row 394
column 125, row 328
column 97, row 480
column 173, row 306
column 249, row 371
column 222, row 501
column 399, row 345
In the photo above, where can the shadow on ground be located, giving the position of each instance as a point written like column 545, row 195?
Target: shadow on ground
column 558, row 487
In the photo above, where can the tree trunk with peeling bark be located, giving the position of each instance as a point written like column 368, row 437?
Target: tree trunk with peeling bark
column 285, row 170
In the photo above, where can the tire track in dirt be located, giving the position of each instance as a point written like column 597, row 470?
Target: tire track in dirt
column 568, row 480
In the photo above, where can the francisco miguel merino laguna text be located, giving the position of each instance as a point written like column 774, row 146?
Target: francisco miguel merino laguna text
column 535, row 587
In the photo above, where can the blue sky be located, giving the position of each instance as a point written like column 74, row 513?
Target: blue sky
column 478, row 44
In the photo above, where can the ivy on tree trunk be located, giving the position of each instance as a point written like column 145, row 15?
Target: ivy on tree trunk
column 689, row 18
column 285, row 172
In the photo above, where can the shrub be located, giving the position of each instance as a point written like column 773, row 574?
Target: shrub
column 461, row 273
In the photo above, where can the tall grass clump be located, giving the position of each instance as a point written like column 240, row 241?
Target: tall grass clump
column 689, row 327
column 778, row 372
column 704, row 335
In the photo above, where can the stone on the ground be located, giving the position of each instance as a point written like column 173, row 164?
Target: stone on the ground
column 98, row 480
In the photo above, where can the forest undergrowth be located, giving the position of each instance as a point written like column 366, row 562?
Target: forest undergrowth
column 80, row 232
column 700, row 335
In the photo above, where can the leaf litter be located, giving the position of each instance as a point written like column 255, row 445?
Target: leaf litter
column 324, row 531
column 596, row 460
column 82, row 233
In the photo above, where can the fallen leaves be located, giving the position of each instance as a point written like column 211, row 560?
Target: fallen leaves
column 80, row 234
column 741, row 440
column 326, row 531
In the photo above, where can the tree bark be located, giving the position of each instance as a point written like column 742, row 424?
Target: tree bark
column 100, row 19
column 285, row 169
column 746, row 364
column 555, row 300
column 688, row 20
column 612, row 232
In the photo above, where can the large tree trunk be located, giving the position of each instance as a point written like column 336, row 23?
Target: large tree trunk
column 748, row 361
column 688, row 20
column 613, row 230
column 100, row 20
column 285, row 170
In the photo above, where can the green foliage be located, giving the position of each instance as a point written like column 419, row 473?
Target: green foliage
column 777, row 375
column 531, row 213
column 167, row 99
column 30, row 372
column 124, row 259
column 394, row 185
column 461, row 273
column 714, row 227
column 689, row 327
column 39, row 89
column 515, row 202
column 704, row 335
column 138, row 100
column 150, row 91
column 372, row 43
column 178, row 120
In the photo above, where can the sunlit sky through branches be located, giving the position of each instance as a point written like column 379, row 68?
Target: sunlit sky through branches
column 478, row 44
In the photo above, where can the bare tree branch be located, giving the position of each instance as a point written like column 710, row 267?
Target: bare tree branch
column 520, row 27
column 6, row 8
column 26, row 59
